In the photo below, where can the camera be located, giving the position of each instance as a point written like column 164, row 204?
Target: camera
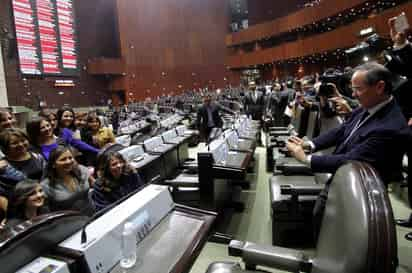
column 326, row 90
column 373, row 45
column 340, row 79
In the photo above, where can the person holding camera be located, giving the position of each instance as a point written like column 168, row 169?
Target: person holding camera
column 399, row 61
column 375, row 132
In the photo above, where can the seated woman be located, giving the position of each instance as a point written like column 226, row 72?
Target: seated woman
column 115, row 180
column 80, row 120
column 14, row 143
column 51, row 117
column 66, row 129
column 95, row 134
column 41, row 136
column 28, row 201
column 7, row 120
column 67, row 183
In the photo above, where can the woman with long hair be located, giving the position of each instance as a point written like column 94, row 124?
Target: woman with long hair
column 14, row 143
column 7, row 120
column 27, row 202
column 115, row 180
column 41, row 135
column 95, row 134
column 67, row 183
column 51, row 117
column 19, row 163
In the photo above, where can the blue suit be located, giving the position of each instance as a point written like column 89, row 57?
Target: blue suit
column 381, row 141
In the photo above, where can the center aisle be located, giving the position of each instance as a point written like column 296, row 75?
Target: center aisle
column 252, row 225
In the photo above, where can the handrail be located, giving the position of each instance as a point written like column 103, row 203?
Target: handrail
column 319, row 43
column 294, row 20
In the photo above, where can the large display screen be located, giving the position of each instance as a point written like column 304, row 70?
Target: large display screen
column 46, row 37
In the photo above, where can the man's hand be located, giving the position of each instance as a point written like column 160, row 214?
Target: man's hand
column 410, row 122
column 296, row 140
column 342, row 106
column 296, row 151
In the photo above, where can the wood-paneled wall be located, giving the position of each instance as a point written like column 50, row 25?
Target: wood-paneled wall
column 95, row 22
column 302, row 17
column 172, row 45
column 342, row 37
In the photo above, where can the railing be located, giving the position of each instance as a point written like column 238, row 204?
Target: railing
column 342, row 37
column 300, row 18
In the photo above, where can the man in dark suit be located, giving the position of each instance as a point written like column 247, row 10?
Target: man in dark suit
column 208, row 117
column 376, row 132
column 254, row 102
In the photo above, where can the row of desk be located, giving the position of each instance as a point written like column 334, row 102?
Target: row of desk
column 173, row 232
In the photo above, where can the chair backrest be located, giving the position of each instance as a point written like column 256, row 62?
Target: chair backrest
column 151, row 143
column 124, row 140
column 328, row 123
column 169, row 135
column 232, row 138
column 132, row 152
column 357, row 232
column 181, row 130
column 20, row 244
column 312, row 124
column 218, row 149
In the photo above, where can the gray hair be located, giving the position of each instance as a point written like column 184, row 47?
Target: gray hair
column 376, row 72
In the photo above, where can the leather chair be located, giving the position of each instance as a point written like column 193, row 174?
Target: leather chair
column 292, row 217
column 357, row 232
column 305, row 124
column 20, row 244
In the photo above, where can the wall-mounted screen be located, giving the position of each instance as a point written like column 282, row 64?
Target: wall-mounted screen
column 46, row 37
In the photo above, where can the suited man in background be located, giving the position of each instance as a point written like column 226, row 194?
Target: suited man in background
column 208, row 117
column 254, row 102
column 376, row 132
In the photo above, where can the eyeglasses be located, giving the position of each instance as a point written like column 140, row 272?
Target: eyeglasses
column 355, row 88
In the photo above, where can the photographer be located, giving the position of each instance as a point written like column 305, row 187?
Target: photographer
column 399, row 60
column 332, row 102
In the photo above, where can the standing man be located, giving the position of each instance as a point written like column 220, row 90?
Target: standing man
column 208, row 117
column 254, row 102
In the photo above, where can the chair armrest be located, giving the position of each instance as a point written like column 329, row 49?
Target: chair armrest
column 271, row 256
column 294, row 169
column 301, row 190
column 186, row 181
column 274, row 129
column 155, row 180
column 279, row 133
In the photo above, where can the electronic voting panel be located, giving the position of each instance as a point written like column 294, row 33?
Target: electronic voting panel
column 46, row 37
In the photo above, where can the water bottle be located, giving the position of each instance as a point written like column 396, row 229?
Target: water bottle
column 129, row 255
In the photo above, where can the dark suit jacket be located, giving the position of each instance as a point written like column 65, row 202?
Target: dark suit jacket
column 255, row 109
column 203, row 118
column 380, row 141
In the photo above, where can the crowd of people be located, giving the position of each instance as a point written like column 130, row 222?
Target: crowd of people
column 60, row 161
column 52, row 165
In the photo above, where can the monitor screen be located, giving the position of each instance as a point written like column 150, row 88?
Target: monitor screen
column 46, row 37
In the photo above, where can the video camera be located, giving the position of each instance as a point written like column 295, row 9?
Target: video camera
column 373, row 45
column 340, row 79
column 397, row 61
